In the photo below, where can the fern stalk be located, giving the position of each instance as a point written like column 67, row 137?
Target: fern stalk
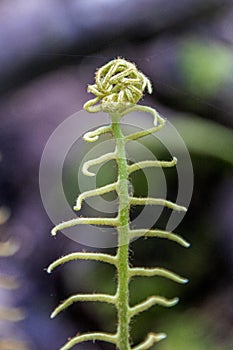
column 123, row 236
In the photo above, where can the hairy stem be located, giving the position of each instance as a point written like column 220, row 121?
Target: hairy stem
column 123, row 237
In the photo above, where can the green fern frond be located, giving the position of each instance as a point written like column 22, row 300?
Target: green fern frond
column 118, row 88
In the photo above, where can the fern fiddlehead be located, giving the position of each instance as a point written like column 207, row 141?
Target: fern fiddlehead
column 118, row 88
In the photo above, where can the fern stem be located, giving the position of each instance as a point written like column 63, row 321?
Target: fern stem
column 123, row 237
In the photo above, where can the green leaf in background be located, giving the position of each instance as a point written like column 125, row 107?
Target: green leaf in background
column 187, row 331
column 205, row 137
column 205, row 66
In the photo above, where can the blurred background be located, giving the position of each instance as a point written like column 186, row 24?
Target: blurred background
column 49, row 51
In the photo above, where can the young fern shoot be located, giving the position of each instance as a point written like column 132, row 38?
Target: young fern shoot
column 118, row 88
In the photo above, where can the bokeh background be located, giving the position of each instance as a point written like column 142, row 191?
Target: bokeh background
column 49, row 51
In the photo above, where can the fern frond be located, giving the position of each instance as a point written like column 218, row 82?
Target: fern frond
column 109, row 338
column 151, row 339
column 117, row 89
column 106, row 258
column 156, row 201
column 93, row 136
column 157, row 271
column 96, row 161
column 96, row 192
column 151, row 301
column 159, row 234
column 151, row 164
column 158, row 123
column 103, row 298
column 85, row 221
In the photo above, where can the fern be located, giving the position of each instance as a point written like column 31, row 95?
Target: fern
column 118, row 88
